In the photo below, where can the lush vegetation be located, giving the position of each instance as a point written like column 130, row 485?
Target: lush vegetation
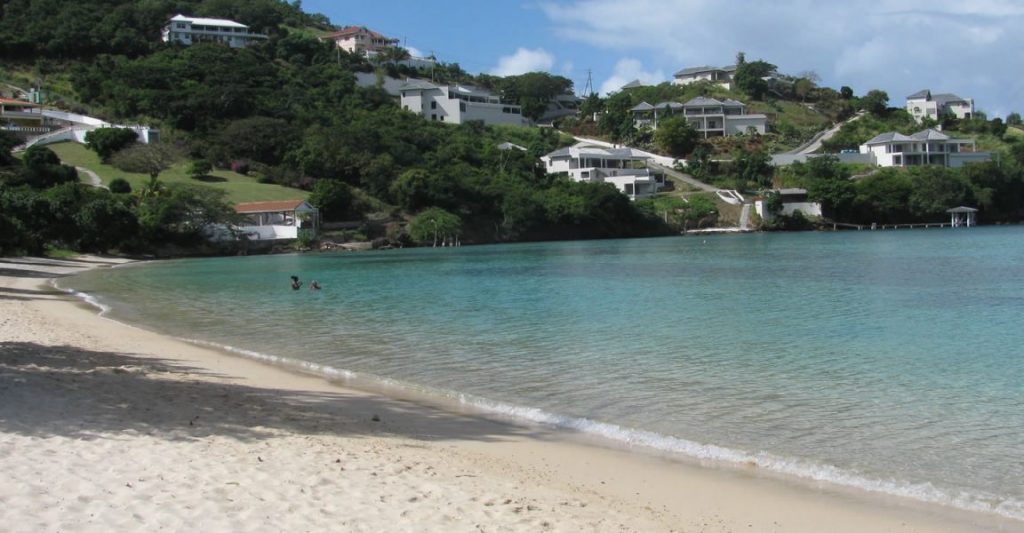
column 237, row 187
column 287, row 111
column 915, row 194
column 43, row 205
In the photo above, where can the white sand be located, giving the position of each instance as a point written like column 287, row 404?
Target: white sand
column 105, row 427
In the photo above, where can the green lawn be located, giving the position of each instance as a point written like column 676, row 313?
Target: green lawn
column 240, row 188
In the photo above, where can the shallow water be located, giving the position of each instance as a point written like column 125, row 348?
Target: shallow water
column 890, row 361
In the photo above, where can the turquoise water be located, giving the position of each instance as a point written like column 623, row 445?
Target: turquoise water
column 890, row 361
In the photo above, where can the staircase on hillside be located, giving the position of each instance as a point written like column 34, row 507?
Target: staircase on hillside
column 745, row 217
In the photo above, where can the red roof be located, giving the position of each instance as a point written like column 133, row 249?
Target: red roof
column 353, row 30
column 17, row 102
column 268, row 207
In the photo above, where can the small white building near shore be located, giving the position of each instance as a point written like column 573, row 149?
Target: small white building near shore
column 276, row 220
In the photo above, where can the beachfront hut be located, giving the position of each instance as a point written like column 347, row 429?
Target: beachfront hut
column 277, row 220
column 962, row 216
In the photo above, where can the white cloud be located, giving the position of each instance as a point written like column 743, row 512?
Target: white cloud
column 627, row 70
column 523, row 61
column 894, row 45
column 415, row 52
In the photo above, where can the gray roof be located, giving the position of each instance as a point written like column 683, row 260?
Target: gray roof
column 923, row 93
column 888, row 136
column 561, row 152
column 702, row 101
column 792, row 191
column 962, row 209
column 705, row 68
column 923, row 135
column 930, row 135
column 947, row 98
column 668, row 105
column 731, row 102
column 642, row 106
column 417, row 85
column 633, row 84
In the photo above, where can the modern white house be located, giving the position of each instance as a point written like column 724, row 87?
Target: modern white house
column 716, row 118
column 721, row 75
column 275, row 220
column 190, row 30
column 926, row 147
column 923, row 104
column 457, row 104
column 623, row 167
column 360, row 40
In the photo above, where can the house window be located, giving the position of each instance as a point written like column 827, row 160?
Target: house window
column 462, row 106
column 433, row 104
column 433, row 116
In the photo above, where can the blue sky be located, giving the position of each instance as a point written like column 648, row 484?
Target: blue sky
column 969, row 47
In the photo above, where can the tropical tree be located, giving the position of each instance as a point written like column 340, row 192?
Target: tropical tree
column 875, row 102
column 151, row 159
column 435, row 225
column 107, row 141
column 676, row 137
column 750, row 78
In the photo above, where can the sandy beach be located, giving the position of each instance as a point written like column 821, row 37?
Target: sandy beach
column 107, row 427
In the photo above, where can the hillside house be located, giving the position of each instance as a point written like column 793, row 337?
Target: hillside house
column 190, row 30
column 647, row 116
column 623, row 167
column 458, row 104
column 926, row 147
column 716, row 118
column 360, row 40
column 20, row 114
column 721, row 75
column 924, row 104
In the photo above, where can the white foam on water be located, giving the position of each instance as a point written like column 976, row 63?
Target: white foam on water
column 85, row 297
column 926, row 492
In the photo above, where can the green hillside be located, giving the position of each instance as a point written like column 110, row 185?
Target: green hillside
column 239, row 188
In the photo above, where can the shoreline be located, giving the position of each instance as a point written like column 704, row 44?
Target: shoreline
column 482, row 462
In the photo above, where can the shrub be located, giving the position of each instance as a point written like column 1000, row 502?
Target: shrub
column 120, row 186
column 240, row 166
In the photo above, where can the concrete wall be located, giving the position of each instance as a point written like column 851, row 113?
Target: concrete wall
column 781, row 160
column 807, row 208
column 739, row 124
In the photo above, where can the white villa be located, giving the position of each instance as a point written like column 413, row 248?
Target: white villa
column 457, row 104
column 924, row 104
column 720, row 75
column 191, row 30
column 926, row 147
column 711, row 117
column 623, row 167
column 277, row 220
column 360, row 39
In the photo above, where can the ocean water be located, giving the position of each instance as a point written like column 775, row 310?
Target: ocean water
column 892, row 361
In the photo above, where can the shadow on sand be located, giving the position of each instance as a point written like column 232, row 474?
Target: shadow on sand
column 72, row 392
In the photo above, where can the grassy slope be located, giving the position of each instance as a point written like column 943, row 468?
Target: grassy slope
column 240, row 188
